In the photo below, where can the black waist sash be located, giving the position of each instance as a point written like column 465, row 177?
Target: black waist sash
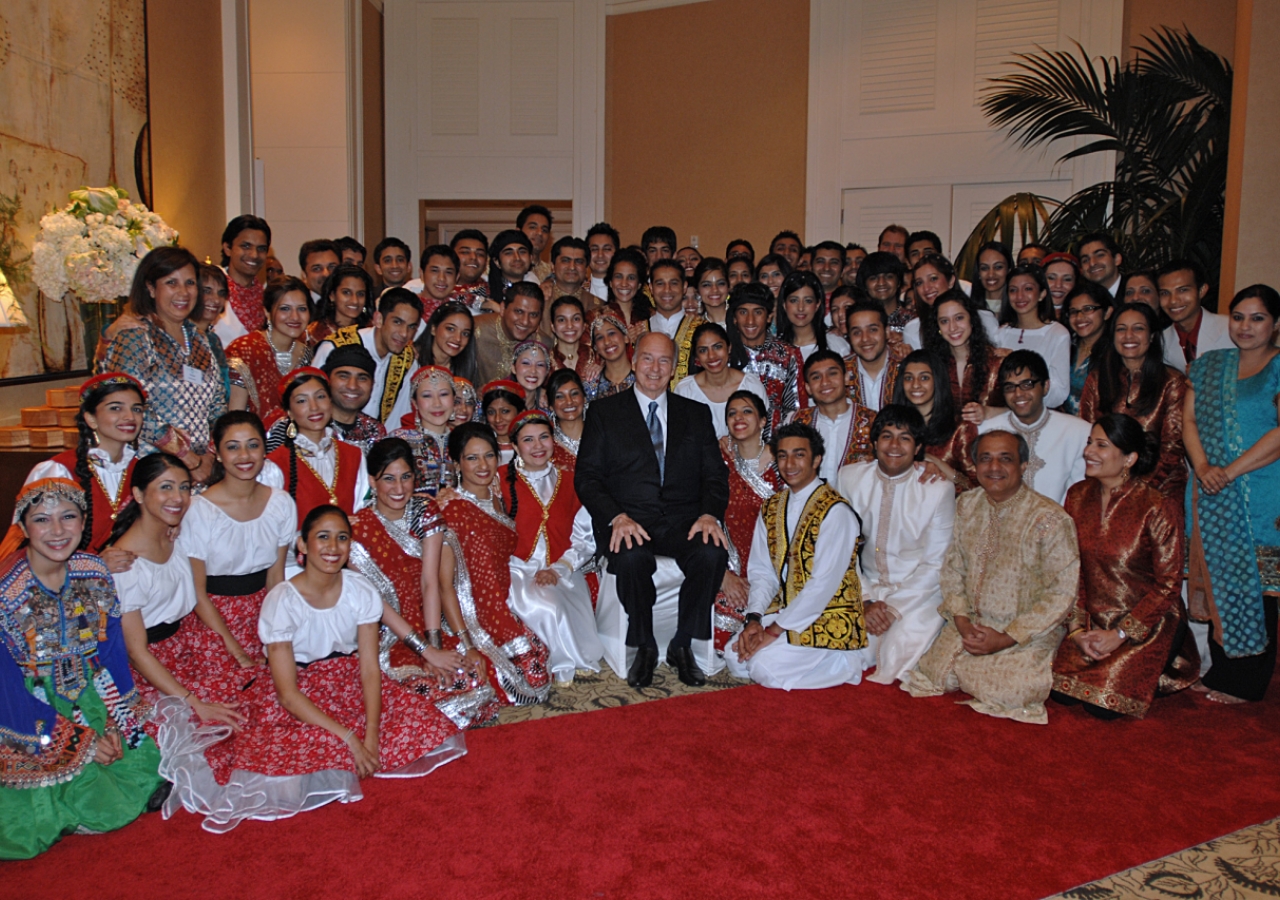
column 163, row 631
column 236, row 585
column 336, row 654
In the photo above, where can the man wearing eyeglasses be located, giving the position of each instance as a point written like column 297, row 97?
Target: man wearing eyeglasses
column 1056, row 440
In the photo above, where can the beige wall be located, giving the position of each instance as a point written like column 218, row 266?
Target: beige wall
column 705, row 109
column 184, row 56
column 375, row 183
column 1213, row 22
column 1252, row 218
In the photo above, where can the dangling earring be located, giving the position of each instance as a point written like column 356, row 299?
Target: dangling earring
column 291, row 431
column 93, row 438
column 1125, row 474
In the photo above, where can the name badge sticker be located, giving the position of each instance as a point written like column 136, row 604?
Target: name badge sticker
column 192, row 375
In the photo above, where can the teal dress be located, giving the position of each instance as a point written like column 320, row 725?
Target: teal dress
column 64, row 680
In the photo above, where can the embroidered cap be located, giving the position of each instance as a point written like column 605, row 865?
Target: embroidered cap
column 530, row 417
column 503, row 384
column 1060, row 257
column 115, row 378
column 47, row 491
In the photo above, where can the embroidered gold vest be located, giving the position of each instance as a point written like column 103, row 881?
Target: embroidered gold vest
column 400, row 365
column 684, row 347
column 841, row 625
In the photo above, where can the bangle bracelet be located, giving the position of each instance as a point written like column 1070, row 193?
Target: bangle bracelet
column 346, row 739
column 415, row 642
column 433, row 638
column 464, row 640
column 188, row 695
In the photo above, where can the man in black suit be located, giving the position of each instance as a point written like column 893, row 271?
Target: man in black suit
column 651, row 475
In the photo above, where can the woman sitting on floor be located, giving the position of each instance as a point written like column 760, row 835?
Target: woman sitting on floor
column 326, row 717
column 1125, row 637
column 74, row 755
column 396, row 544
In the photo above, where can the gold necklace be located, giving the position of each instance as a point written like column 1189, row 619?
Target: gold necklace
column 115, row 502
column 337, row 464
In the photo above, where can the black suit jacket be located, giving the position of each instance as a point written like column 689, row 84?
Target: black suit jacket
column 617, row 470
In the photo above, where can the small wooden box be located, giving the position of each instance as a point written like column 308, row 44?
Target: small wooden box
column 70, row 437
column 39, row 417
column 67, row 418
column 15, row 436
column 46, row 437
column 63, row 398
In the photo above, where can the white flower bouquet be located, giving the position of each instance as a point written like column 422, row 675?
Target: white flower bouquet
column 92, row 247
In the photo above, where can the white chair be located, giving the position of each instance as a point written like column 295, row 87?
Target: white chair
column 611, row 620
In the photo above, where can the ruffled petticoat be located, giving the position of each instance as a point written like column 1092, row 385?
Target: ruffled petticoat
column 277, row 766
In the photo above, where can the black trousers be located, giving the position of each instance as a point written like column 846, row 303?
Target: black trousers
column 1246, row 677
column 703, row 566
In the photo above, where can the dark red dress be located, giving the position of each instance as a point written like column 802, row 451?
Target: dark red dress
column 747, row 493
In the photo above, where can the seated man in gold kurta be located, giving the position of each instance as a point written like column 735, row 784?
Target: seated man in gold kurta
column 1008, row 583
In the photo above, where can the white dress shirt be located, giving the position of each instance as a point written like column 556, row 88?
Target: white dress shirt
column 668, row 326
column 872, row 386
column 661, row 400
column 599, row 288
column 381, row 365
column 1053, row 343
column 835, row 435
column 831, row 554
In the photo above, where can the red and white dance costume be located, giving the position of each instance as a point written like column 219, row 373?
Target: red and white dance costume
column 278, row 766
column 554, row 532
column 483, row 540
column 748, row 489
column 108, row 489
column 236, row 557
column 329, row 472
column 389, row 553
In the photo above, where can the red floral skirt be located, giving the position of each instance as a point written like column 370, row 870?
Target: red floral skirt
column 274, row 743
column 241, row 615
column 196, row 656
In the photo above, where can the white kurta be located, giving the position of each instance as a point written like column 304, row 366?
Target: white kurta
column 834, row 342
column 780, row 664
column 560, row 613
column 1053, row 343
column 1213, row 335
column 111, row 473
column 908, row 527
column 835, row 437
column 1057, row 443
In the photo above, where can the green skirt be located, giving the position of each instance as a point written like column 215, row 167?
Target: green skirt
column 100, row 798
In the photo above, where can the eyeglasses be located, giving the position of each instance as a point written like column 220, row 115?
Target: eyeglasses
column 1083, row 311
column 1012, row 387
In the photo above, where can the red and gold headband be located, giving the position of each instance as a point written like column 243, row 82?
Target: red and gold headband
column 530, row 417
column 431, row 373
column 503, row 384
column 47, row 491
column 297, row 374
column 112, row 378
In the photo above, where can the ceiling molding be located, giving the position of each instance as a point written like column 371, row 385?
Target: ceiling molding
column 619, row 7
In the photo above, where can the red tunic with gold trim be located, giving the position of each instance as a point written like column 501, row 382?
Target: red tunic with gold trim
column 978, row 387
column 311, row 491
column 957, row 453
column 483, row 541
column 1164, row 420
column 747, row 493
column 533, row 518
column 252, row 361
column 104, row 507
column 857, row 446
column 1131, row 561
column 390, row 555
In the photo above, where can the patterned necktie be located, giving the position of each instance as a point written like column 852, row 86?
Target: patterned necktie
column 655, row 435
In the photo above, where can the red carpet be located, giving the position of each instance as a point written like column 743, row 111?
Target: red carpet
column 852, row 792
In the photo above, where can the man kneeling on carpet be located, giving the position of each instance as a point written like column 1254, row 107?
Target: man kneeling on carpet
column 908, row 521
column 1008, row 583
column 803, row 572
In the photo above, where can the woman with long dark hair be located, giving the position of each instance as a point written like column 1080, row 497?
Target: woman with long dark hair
column 800, row 316
column 554, row 543
column 500, row 403
column 711, row 282
column 1126, row 637
column 1085, row 313
column 626, row 279
column 609, row 340
column 568, row 406
column 346, row 299
column 1131, row 377
column 259, row 359
column 447, row 340
column 237, row 533
column 475, row 575
column 994, row 263
column 713, row 379
column 1233, row 444
column 923, row 383
column 953, row 330
column 173, row 653
column 1027, row 323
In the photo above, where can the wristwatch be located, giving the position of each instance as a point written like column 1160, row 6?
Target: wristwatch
column 752, row 617
column 1122, row 634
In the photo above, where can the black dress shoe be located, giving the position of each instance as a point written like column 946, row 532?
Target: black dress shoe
column 640, row 675
column 681, row 659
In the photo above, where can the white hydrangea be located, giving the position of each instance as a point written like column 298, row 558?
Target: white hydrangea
column 91, row 249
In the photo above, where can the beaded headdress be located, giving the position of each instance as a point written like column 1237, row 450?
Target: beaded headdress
column 112, row 378
column 297, row 375
column 530, row 417
column 437, row 374
column 47, row 492
column 602, row 319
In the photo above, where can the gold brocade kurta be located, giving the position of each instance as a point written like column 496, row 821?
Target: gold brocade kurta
column 1164, row 420
column 1131, row 563
column 1014, row 567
